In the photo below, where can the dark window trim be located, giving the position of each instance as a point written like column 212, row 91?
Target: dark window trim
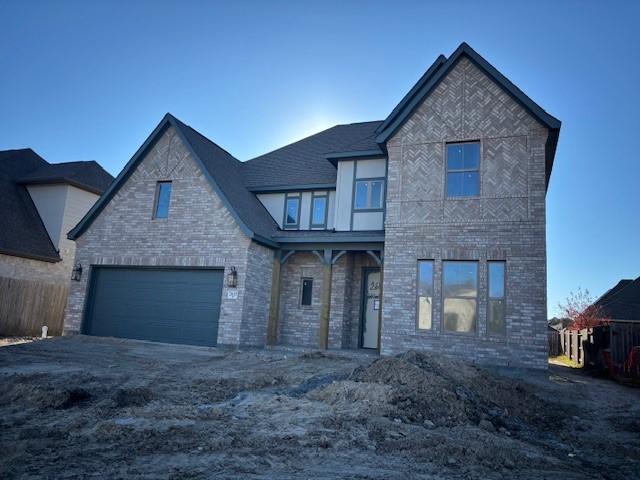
column 503, row 298
column 156, row 198
column 369, row 180
column 433, row 293
column 323, row 225
column 476, row 298
column 457, row 170
column 302, row 280
column 291, row 226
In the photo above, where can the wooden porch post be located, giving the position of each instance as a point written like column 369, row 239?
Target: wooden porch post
column 274, row 306
column 380, row 305
column 325, row 299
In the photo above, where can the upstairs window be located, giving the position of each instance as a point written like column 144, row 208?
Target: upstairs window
column 496, row 320
column 163, row 197
column 292, row 212
column 369, row 194
column 319, row 211
column 463, row 169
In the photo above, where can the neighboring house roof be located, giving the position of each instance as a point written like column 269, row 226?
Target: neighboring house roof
column 438, row 71
column 85, row 175
column 304, row 163
column 23, row 233
column 622, row 302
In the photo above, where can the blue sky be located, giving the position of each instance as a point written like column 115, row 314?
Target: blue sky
column 90, row 80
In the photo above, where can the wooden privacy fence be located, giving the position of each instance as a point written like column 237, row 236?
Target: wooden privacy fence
column 614, row 348
column 26, row 305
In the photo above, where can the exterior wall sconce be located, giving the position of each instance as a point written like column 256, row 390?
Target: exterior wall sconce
column 232, row 278
column 76, row 273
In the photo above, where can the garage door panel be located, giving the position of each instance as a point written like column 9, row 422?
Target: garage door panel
column 167, row 305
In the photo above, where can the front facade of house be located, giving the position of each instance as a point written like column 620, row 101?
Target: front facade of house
column 425, row 230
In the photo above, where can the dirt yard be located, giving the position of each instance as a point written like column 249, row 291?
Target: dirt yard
column 101, row 408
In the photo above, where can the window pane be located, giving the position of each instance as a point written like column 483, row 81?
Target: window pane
column 425, row 294
column 496, row 279
column 454, row 184
column 496, row 323
column 470, row 184
column 307, row 288
column 292, row 211
column 319, row 209
column 460, row 279
column 425, row 307
column 164, row 195
column 376, row 194
column 425, row 278
column 471, row 155
column 459, row 315
column 362, row 192
column 454, row 157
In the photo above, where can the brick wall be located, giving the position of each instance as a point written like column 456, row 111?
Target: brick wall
column 506, row 222
column 200, row 231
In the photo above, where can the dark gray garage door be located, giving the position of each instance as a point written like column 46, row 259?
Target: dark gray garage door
column 163, row 305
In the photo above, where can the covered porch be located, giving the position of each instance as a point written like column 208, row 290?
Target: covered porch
column 327, row 295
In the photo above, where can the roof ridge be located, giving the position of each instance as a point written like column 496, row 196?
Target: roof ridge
column 617, row 292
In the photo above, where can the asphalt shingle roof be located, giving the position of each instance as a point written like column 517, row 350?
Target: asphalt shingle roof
column 226, row 171
column 304, row 162
column 87, row 175
column 622, row 302
column 22, row 232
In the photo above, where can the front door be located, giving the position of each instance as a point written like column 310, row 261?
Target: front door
column 370, row 307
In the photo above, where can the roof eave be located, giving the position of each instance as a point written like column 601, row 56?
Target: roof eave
column 63, row 180
column 334, row 158
column 31, row 256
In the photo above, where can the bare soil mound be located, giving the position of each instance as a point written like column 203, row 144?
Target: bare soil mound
column 428, row 388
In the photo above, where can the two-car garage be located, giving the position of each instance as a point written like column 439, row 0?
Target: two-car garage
column 172, row 305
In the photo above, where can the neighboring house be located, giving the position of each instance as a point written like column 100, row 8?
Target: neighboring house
column 39, row 203
column 622, row 302
column 425, row 230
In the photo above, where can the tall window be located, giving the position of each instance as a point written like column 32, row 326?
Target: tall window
column 496, row 318
column 292, row 211
column 319, row 210
column 163, row 197
column 425, row 294
column 460, row 293
column 369, row 194
column 463, row 169
column 306, row 293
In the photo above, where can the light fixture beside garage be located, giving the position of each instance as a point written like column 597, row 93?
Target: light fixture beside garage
column 76, row 273
column 232, row 278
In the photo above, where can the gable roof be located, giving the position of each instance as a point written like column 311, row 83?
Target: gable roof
column 85, row 175
column 622, row 302
column 23, row 233
column 305, row 163
column 221, row 169
column 438, row 71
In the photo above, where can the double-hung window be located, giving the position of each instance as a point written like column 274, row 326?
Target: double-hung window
column 319, row 211
column 163, row 197
column 425, row 294
column 496, row 318
column 463, row 169
column 460, row 293
column 369, row 194
column 292, row 211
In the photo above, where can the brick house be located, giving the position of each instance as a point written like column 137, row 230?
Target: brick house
column 425, row 230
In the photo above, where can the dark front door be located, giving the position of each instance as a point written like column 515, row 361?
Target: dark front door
column 171, row 305
column 370, row 310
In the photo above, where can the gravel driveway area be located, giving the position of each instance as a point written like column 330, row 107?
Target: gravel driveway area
column 83, row 407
